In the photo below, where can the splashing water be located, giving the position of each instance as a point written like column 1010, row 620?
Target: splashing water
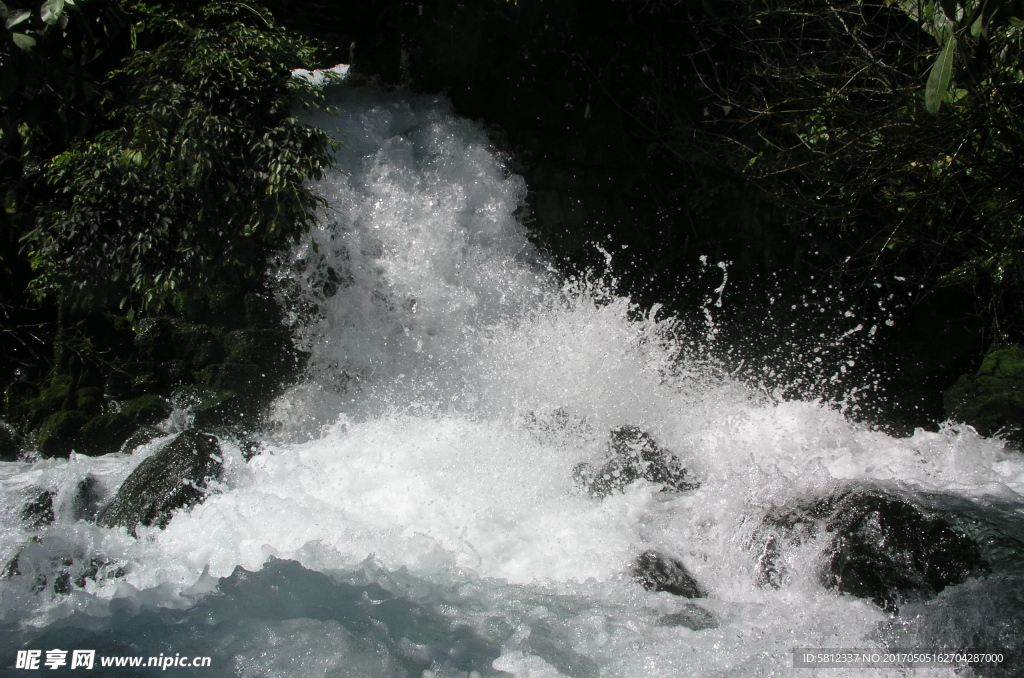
column 414, row 511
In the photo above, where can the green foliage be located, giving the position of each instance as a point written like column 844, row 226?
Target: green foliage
column 203, row 175
column 979, row 34
column 821, row 120
column 52, row 59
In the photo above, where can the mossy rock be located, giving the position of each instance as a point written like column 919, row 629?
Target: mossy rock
column 90, row 400
column 992, row 401
column 51, row 399
column 1004, row 363
column 106, row 433
column 241, row 377
column 147, row 409
column 174, row 478
column 59, row 433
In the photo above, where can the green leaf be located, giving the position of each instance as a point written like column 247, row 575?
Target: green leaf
column 23, row 41
column 51, row 11
column 939, row 77
column 4, row 12
column 16, row 17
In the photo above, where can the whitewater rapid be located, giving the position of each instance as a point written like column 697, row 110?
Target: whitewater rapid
column 425, row 459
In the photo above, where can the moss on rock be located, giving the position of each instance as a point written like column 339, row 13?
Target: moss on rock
column 992, row 401
column 106, row 433
column 147, row 409
column 59, row 433
column 173, row 478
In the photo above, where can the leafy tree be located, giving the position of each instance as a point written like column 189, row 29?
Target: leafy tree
column 201, row 173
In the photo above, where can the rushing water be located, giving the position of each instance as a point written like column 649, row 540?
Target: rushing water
column 413, row 511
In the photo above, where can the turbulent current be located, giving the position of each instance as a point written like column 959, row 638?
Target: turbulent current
column 418, row 507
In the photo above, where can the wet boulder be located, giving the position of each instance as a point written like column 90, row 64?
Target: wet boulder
column 659, row 572
column 876, row 546
column 693, row 617
column 634, row 455
column 174, row 478
column 992, row 401
column 85, row 501
column 39, row 512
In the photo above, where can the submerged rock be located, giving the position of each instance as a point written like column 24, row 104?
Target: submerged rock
column 39, row 512
column 634, row 455
column 174, row 478
column 876, row 546
column 693, row 617
column 657, row 572
column 53, row 564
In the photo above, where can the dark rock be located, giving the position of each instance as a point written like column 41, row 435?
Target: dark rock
column 634, row 455
column 155, row 339
column 85, row 503
column 57, row 565
column 657, row 572
column 147, row 409
column 50, row 400
column 251, row 448
column 144, row 377
column 10, row 443
column 210, row 407
column 243, row 378
column 876, row 546
column 174, row 372
column 693, row 617
column 106, row 433
column 59, row 433
column 39, row 512
column 992, row 401
column 117, row 384
column 270, row 350
column 140, row 437
column 90, row 400
column 174, row 478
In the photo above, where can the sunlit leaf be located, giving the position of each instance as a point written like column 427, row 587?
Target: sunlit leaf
column 939, row 77
column 51, row 11
column 25, row 42
column 16, row 17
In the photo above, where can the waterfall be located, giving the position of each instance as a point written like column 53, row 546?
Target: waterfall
column 449, row 491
